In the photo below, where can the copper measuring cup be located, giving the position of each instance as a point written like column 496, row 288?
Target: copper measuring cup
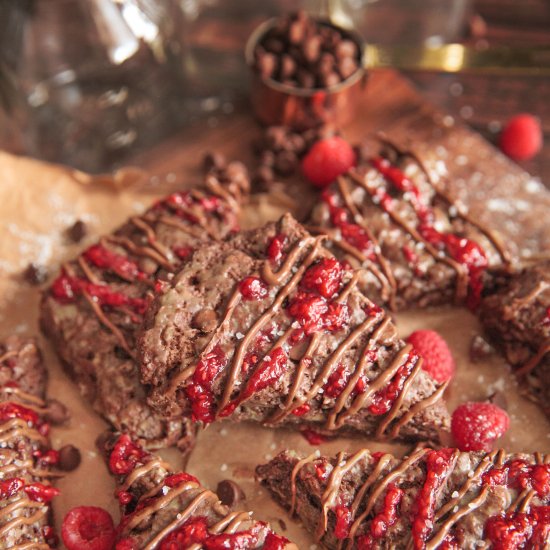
column 275, row 103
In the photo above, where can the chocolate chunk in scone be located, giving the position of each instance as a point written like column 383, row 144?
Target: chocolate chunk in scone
column 26, row 457
column 292, row 342
column 516, row 315
column 94, row 308
column 430, row 499
column 161, row 508
column 420, row 246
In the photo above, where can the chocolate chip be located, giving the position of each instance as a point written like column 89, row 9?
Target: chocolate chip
column 213, row 160
column 274, row 45
column 346, row 67
column 267, row 158
column 77, row 231
column 69, row 458
column 205, row 320
column 345, row 49
column 276, row 137
column 296, row 31
column 56, row 412
column 286, row 163
column 330, row 79
column 480, row 349
column 287, row 68
column 312, row 48
column 326, row 64
column 266, row 63
column 282, row 524
column 297, row 143
column 229, row 493
column 105, row 441
column 35, row 274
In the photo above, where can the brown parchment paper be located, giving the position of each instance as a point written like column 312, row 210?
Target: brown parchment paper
column 37, row 204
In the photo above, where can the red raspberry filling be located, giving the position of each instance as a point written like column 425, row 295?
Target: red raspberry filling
column 88, row 528
column 476, row 426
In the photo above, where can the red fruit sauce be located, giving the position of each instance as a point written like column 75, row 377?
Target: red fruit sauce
column 313, row 437
column 199, row 392
column 519, row 474
column 384, row 519
column 103, row 258
column 252, row 288
column 275, row 247
column 437, row 464
column 343, row 521
column 66, row 289
column 383, row 399
column 125, row 455
column 323, row 277
column 9, row 410
column 177, row 479
column 315, row 313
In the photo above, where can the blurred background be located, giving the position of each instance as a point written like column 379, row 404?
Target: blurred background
column 90, row 82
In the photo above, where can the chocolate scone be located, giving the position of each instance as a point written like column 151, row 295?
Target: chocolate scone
column 421, row 247
column 270, row 327
column 431, row 499
column 516, row 314
column 165, row 509
column 26, row 456
column 94, row 308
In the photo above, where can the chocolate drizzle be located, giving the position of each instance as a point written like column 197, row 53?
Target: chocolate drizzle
column 411, row 211
column 300, row 357
column 23, row 441
column 153, row 493
column 481, row 485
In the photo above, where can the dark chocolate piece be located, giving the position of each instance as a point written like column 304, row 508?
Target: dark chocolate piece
column 430, row 499
column 77, row 231
column 296, row 343
column 230, row 493
column 35, row 274
column 69, row 458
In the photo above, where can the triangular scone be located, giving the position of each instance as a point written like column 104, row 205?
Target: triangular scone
column 93, row 309
column 419, row 245
column 26, row 456
column 516, row 314
column 431, row 499
column 270, row 327
column 163, row 509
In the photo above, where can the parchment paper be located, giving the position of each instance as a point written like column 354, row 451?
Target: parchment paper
column 37, row 204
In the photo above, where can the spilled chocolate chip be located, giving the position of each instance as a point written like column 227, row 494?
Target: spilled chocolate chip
column 229, row 493
column 35, row 274
column 285, row 163
column 69, row 458
column 77, row 231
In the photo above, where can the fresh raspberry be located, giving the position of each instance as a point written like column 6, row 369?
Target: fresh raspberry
column 88, row 528
column 326, row 160
column 476, row 426
column 438, row 361
column 521, row 138
column 324, row 277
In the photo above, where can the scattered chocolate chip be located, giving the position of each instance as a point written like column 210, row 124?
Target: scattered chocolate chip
column 230, row 493
column 105, row 441
column 77, row 231
column 276, row 137
column 267, row 158
column 205, row 320
column 213, row 160
column 480, row 349
column 69, row 458
column 282, row 524
column 56, row 412
column 35, row 274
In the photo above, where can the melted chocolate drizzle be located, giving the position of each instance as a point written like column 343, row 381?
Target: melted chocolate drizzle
column 386, row 470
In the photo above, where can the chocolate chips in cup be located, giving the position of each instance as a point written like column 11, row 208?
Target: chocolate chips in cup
column 302, row 52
